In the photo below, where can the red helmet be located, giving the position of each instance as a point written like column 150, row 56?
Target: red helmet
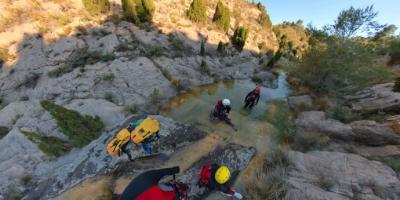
column 258, row 89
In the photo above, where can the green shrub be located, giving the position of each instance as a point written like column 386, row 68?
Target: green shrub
column 81, row 130
column 198, row 11
column 49, row 145
column 3, row 131
column 109, row 97
column 202, row 49
column 3, row 55
column 343, row 114
column 138, row 10
column 394, row 163
column 108, row 77
column 130, row 109
column 25, row 180
column 222, row 16
column 239, row 38
column 154, row 51
column 221, row 47
column 348, row 65
column 95, row 7
column 279, row 115
column 264, row 20
column 396, row 87
column 204, row 69
column 325, row 182
column 153, row 102
column 129, row 10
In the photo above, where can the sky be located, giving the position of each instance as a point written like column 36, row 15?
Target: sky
column 322, row 12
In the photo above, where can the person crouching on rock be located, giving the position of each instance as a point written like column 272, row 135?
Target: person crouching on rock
column 252, row 98
column 147, row 186
column 216, row 177
column 221, row 111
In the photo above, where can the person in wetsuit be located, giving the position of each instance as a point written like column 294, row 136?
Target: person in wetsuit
column 252, row 98
column 216, row 177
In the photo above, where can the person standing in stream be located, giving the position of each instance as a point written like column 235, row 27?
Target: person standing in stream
column 252, row 98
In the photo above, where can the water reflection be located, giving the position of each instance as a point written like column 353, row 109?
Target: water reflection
column 194, row 108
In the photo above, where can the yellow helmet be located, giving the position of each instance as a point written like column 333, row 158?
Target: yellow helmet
column 222, row 175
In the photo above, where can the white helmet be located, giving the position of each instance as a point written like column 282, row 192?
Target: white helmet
column 226, row 102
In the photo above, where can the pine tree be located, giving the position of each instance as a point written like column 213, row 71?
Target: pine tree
column 198, row 11
column 222, row 16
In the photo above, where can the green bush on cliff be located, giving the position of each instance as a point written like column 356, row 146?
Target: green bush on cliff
column 198, row 11
column 239, row 38
column 80, row 129
column 222, row 16
column 339, row 67
column 396, row 87
column 95, row 7
column 51, row 146
column 138, row 10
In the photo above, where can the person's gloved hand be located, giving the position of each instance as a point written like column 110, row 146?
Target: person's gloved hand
column 237, row 195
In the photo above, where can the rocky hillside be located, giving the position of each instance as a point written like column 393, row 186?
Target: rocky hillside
column 101, row 69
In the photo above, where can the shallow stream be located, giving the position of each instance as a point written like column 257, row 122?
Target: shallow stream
column 194, row 108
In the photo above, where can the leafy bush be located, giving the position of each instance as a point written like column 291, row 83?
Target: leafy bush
column 280, row 117
column 3, row 131
column 81, row 130
column 338, row 67
column 108, row 77
column 202, row 49
column 95, row 7
column 222, row 16
column 109, row 97
column 270, row 177
column 51, row 146
column 26, row 179
column 204, row 69
column 396, row 87
column 154, row 51
column 198, row 11
column 138, row 10
column 130, row 109
column 221, row 48
column 153, row 102
column 239, row 37
column 264, row 20
column 3, row 55
column 394, row 52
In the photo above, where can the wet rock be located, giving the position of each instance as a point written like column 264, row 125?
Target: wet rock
column 266, row 79
column 235, row 156
column 300, row 102
column 93, row 159
column 372, row 133
column 376, row 98
column 334, row 175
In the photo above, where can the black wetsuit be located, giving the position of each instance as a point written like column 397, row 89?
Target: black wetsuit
column 145, row 181
column 251, row 99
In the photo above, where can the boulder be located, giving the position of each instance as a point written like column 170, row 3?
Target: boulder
column 334, row 175
column 316, row 121
column 376, row 98
column 372, row 133
column 62, row 49
column 235, row 157
column 106, row 44
column 300, row 102
column 266, row 79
